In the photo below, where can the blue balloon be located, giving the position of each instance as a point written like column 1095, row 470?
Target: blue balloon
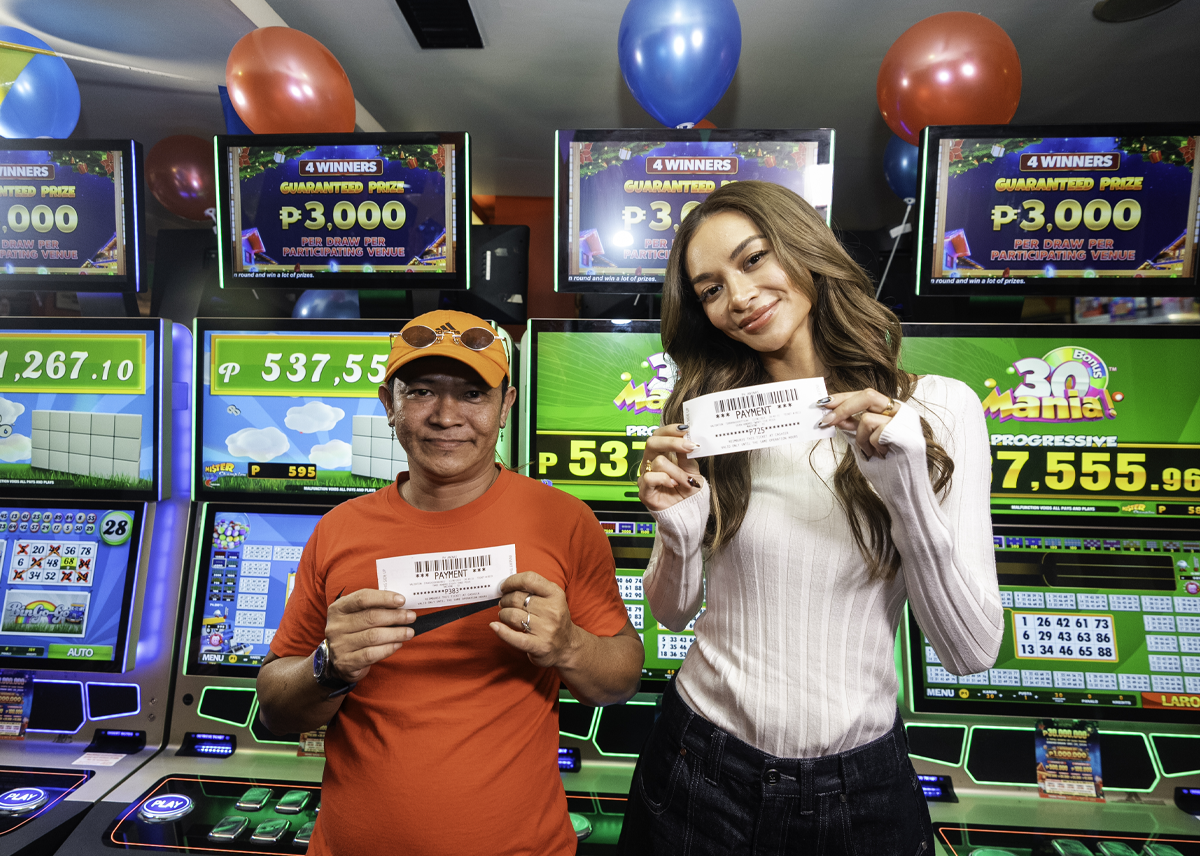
column 316, row 303
column 679, row 56
column 44, row 99
column 900, row 167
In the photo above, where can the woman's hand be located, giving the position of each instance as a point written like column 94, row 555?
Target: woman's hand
column 667, row 475
column 866, row 413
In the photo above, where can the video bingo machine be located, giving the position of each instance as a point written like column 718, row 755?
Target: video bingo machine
column 592, row 392
column 91, row 545
column 1095, row 446
column 288, row 423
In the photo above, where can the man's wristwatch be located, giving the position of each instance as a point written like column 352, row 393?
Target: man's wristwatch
column 323, row 673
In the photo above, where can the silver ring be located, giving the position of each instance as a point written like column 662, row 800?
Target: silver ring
column 525, row 605
column 525, row 623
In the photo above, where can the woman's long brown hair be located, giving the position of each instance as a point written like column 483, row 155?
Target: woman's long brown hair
column 855, row 337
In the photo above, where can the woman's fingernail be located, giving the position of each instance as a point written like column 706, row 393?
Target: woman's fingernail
column 826, row 419
column 690, row 446
column 693, row 482
column 682, row 427
column 825, row 400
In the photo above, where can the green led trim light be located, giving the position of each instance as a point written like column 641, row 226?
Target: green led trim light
column 557, row 221
column 1153, row 763
column 967, row 754
column 253, row 714
column 593, row 723
column 596, row 728
column 962, row 749
column 1158, row 764
column 248, row 720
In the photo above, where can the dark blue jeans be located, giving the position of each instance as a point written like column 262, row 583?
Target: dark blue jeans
column 698, row 790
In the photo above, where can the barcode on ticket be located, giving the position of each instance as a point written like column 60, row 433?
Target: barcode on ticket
column 755, row 399
column 424, row 568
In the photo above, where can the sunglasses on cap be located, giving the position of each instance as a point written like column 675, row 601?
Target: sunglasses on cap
column 473, row 338
column 420, row 336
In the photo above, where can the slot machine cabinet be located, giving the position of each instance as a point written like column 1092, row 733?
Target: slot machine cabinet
column 93, row 549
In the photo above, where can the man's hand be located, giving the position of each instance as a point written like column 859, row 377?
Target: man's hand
column 552, row 636
column 363, row 628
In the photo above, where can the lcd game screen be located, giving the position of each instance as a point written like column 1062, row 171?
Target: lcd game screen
column 246, row 562
column 366, row 210
column 631, row 536
column 79, row 407
column 1098, row 623
column 70, row 214
column 1081, row 420
column 598, row 389
column 622, row 194
column 290, row 409
column 1086, row 211
column 69, row 573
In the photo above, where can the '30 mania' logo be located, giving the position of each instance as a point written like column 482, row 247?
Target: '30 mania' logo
column 1069, row 384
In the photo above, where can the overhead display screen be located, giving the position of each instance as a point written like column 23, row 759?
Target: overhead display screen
column 70, row 214
column 1098, row 623
column 622, row 194
column 1081, row 421
column 598, row 389
column 69, row 574
column 245, row 570
column 1087, row 210
column 361, row 210
column 79, row 407
column 289, row 410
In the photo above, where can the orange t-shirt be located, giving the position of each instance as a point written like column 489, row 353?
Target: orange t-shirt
column 451, row 744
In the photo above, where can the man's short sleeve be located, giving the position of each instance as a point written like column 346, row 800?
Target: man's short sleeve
column 592, row 593
column 303, row 624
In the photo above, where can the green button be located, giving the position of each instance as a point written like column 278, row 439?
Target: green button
column 81, row 652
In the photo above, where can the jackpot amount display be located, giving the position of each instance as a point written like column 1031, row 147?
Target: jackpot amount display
column 61, row 212
column 598, row 396
column 1082, row 426
column 1067, row 641
column 296, row 413
column 1019, row 208
column 300, row 211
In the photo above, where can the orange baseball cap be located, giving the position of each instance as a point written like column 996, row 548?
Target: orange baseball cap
column 491, row 362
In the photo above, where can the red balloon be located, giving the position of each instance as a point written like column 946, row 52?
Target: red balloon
column 956, row 68
column 283, row 81
column 179, row 170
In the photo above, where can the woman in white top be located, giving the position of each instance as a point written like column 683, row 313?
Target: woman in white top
column 780, row 732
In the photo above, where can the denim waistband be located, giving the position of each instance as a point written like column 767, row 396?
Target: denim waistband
column 871, row 765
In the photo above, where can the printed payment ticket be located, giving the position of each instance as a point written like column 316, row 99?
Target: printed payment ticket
column 448, row 578
column 756, row 417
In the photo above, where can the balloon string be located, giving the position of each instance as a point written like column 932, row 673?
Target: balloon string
column 42, row 51
column 899, row 235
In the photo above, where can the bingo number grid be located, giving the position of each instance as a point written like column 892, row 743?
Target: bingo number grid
column 632, row 542
column 245, row 586
column 1088, row 646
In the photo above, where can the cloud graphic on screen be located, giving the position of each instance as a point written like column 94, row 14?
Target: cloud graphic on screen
column 14, row 447
column 331, row 456
column 9, row 411
column 259, row 444
column 313, row 417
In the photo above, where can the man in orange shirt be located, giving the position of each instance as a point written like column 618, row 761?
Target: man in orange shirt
column 449, row 745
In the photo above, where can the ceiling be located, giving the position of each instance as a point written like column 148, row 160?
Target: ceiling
column 551, row 64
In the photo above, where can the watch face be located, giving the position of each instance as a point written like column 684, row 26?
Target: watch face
column 319, row 662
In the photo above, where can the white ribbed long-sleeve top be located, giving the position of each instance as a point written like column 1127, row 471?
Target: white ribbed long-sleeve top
column 794, row 652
